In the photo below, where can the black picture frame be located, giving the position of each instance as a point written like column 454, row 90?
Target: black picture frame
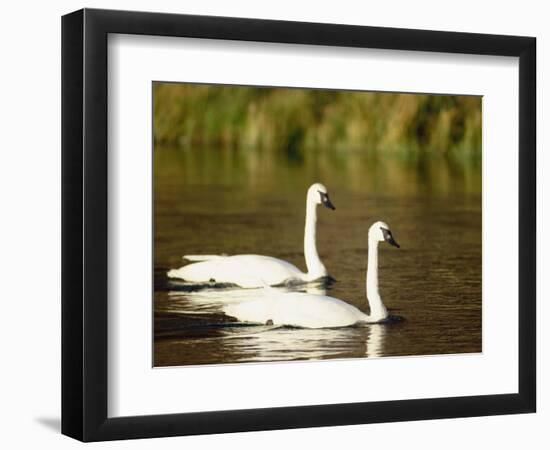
column 84, row 224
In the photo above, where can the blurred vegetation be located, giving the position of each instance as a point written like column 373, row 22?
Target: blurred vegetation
column 294, row 120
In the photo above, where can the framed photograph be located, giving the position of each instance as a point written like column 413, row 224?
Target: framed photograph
column 273, row 224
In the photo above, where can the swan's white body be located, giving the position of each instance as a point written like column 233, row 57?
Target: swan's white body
column 298, row 309
column 318, row 311
column 256, row 270
column 246, row 271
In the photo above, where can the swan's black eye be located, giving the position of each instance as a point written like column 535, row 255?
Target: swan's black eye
column 325, row 200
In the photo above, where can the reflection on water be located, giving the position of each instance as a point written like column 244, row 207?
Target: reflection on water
column 263, row 343
column 209, row 202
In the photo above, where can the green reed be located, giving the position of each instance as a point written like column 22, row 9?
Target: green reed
column 296, row 120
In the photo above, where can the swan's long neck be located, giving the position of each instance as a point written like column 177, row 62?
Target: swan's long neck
column 315, row 268
column 377, row 309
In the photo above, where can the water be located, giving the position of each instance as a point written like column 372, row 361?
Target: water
column 209, row 201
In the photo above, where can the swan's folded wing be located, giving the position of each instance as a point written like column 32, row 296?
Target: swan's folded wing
column 295, row 309
column 202, row 257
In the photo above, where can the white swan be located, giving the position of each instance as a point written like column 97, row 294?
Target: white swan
column 256, row 270
column 319, row 311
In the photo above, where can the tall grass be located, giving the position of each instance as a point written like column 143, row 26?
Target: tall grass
column 300, row 119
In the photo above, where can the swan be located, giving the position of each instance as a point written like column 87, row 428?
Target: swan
column 302, row 309
column 251, row 271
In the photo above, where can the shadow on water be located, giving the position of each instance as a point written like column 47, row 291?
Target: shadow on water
column 210, row 201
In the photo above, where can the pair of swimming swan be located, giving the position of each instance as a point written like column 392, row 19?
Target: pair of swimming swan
column 292, row 308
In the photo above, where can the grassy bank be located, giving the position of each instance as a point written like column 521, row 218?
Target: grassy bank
column 300, row 119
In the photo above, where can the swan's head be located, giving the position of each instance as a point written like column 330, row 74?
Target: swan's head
column 380, row 231
column 318, row 194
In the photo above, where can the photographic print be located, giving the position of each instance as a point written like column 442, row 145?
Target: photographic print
column 309, row 224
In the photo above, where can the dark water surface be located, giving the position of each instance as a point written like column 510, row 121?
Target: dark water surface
column 210, row 201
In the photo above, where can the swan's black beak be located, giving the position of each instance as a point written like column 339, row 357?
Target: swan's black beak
column 326, row 201
column 389, row 238
column 391, row 241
